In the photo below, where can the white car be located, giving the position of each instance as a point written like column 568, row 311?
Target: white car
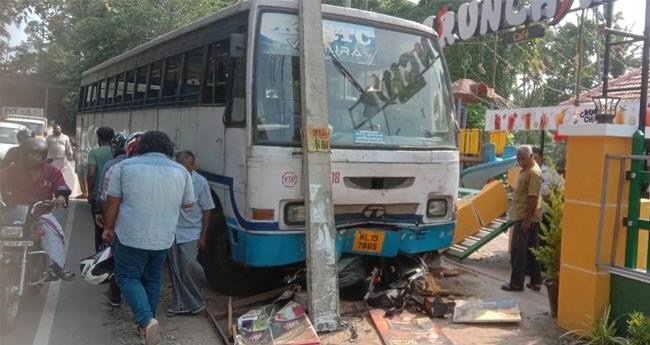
column 8, row 139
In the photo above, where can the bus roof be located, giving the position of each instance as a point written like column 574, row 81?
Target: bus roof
column 245, row 5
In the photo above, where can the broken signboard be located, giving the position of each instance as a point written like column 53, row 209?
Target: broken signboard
column 487, row 311
column 407, row 328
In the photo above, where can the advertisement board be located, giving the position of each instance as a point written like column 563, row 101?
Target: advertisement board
column 549, row 118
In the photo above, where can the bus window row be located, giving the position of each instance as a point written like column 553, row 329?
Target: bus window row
column 196, row 76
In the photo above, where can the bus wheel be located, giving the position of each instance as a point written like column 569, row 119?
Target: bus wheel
column 227, row 276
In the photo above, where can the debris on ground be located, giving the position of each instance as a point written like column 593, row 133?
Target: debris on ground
column 264, row 326
column 407, row 328
column 487, row 311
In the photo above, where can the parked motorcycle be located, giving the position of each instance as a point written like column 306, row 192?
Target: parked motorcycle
column 23, row 263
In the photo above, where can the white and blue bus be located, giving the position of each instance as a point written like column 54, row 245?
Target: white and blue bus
column 227, row 87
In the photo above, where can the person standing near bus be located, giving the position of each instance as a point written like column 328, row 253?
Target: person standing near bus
column 188, row 278
column 128, row 146
column 97, row 157
column 59, row 148
column 525, row 213
column 143, row 202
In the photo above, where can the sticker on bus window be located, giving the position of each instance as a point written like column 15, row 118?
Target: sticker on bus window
column 368, row 137
column 353, row 43
column 279, row 34
column 350, row 42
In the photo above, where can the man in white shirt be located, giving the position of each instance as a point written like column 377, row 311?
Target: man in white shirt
column 59, row 148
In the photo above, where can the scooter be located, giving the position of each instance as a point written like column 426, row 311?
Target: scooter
column 23, row 263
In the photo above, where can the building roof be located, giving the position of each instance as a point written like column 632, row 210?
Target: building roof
column 470, row 91
column 628, row 80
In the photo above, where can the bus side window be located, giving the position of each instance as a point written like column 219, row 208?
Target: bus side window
column 216, row 78
column 191, row 85
column 93, row 95
column 172, row 78
column 111, row 90
column 102, row 92
column 236, row 110
column 119, row 93
column 130, row 86
column 82, row 97
column 141, row 86
column 153, row 91
column 89, row 94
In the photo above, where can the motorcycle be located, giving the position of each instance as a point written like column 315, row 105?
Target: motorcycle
column 24, row 265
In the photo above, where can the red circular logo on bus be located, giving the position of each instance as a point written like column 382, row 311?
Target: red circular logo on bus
column 289, row 179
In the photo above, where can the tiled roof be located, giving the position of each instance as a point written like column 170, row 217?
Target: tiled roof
column 471, row 91
column 630, row 79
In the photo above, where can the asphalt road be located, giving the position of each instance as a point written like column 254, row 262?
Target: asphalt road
column 76, row 313
column 66, row 312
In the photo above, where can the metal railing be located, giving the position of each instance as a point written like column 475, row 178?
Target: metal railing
column 633, row 223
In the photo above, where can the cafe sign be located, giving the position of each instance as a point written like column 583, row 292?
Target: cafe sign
column 533, row 31
column 480, row 17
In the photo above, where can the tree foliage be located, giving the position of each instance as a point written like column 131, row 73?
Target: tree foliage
column 66, row 37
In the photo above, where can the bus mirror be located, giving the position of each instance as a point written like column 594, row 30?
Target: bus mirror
column 237, row 45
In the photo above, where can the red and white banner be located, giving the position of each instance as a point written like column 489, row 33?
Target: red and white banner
column 549, row 118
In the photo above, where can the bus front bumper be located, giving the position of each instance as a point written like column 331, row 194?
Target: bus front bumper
column 282, row 248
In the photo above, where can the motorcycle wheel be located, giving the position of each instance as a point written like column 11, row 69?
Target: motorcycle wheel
column 9, row 298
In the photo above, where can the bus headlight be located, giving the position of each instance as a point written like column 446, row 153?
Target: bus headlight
column 294, row 213
column 11, row 232
column 437, row 208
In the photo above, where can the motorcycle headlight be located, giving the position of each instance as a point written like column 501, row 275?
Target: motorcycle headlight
column 11, row 232
column 294, row 213
column 437, row 208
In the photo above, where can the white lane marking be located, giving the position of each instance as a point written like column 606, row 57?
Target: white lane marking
column 44, row 329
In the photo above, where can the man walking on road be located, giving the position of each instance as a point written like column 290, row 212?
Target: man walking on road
column 188, row 278
column 97, row 157
column 59, row 148
column 525, row 212
column 144, row 199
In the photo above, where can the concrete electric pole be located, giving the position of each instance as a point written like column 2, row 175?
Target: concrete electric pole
column 322, row 277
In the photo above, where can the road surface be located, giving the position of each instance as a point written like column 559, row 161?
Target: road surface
column 76, row 313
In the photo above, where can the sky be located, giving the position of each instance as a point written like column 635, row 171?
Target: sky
column 633, row 15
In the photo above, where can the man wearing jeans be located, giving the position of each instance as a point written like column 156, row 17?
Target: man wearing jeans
column 144, row 199
column 525, row 212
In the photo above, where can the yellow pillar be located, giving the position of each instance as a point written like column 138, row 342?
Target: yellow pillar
column 584, row 288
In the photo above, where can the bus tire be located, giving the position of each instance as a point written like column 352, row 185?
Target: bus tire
column 227, row 276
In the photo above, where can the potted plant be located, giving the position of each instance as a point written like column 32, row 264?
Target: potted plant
column 549, row 254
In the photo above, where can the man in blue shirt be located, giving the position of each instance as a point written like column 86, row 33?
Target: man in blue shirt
column 188, row 278
column 144, row 198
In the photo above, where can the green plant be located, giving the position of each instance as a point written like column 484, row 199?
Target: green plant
column 549, row 254
column 602, row 332
column 638, row 329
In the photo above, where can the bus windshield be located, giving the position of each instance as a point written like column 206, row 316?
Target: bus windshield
column 384, row 88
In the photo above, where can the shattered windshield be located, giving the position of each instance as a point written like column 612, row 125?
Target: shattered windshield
column 384, row 88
